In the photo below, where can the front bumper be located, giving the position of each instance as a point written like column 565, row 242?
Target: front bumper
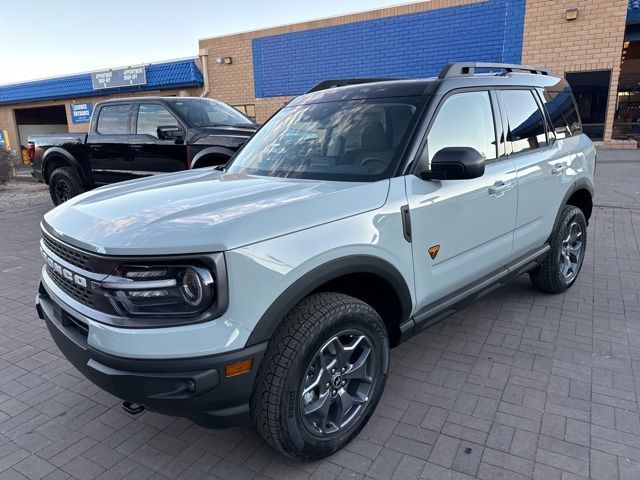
column 195, row 388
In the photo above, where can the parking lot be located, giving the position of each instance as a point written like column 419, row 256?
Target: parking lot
column 519, row 385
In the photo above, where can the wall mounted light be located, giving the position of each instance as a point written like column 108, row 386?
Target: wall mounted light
column 572, row 14
column 228, row 60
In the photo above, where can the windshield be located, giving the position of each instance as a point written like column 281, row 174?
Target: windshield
column 203, row 112
column 348, row 141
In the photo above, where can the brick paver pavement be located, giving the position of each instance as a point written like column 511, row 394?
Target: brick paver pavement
column 519, row 385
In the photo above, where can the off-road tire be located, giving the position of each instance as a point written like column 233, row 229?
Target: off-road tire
column 64, row 183
column 275, row 403
column 547, row 276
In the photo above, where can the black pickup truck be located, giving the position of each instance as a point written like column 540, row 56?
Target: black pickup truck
column 136, row 137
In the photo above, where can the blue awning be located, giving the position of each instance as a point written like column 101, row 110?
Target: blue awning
column 175, row 74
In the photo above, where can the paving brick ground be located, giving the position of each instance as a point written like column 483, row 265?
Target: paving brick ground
column 519, row 385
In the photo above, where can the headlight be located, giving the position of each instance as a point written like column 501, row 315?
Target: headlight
column 161, row 290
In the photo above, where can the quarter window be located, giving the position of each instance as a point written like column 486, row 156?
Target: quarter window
column 526, row 123
column 151, row 116
column 564, row 115
column 114, row 120
column 464, row 120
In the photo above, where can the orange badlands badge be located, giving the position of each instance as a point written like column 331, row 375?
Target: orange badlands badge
column 433, row 251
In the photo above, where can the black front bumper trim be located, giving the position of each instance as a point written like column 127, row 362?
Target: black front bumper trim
column 194, row 388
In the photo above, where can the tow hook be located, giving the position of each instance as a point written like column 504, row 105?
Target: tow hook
column 132, row 408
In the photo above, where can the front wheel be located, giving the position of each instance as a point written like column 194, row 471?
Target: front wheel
column 64, row 184
column 568, row 244
column 322, row 376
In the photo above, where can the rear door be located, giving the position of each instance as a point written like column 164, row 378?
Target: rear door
column 108, row 144
column 469, row 222
column 152, row 155
column 541, row 164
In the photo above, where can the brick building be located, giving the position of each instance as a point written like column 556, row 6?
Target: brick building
column 595, row 44
column 47, row 106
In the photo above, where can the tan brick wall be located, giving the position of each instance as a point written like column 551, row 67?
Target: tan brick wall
column 234, row 83
column 592, row 42
column 7, row 117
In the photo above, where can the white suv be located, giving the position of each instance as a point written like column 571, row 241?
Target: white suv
column 360, row 214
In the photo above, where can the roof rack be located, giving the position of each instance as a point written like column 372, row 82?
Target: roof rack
column 462, row 69
column 344, row 82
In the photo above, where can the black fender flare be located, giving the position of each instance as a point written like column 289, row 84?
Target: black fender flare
column 580, row 184
column 266, row 326
column 210, row 151
column 54, row 152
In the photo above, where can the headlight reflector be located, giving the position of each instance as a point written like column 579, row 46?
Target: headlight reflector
column 166, row 290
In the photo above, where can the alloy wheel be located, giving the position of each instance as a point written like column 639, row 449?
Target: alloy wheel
column 571, row 252
column 337, row 383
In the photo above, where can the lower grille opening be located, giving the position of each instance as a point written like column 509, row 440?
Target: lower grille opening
column 72, row 322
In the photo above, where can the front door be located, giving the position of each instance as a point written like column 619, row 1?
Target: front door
column 151, row 154
column 462, row 230
column 108, row 144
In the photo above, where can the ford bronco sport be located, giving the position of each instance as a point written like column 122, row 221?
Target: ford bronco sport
column 356, row 217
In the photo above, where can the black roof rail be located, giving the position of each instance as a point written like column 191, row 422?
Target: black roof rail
column 344, row 82
column 462, row 69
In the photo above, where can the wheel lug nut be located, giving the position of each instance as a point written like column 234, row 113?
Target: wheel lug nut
column 343, row 370
column 334, row 392
column 328, row 385
column 333, row 370
column 344, row 382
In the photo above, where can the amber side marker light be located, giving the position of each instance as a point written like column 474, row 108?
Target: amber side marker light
column 238, row 368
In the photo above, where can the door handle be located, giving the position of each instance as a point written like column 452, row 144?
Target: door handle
column 558, row 168
column 499, row 189
column 137, row 148
column 95, row 147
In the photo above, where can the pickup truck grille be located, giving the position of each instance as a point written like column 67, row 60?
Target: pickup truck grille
column 81, row 294
column 72, row 256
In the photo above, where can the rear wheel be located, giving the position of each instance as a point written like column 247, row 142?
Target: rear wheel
column 568, row 244
column 322, row 376
column 64, row 184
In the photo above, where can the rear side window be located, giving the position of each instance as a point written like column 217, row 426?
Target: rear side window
column 464, row 120
column 563, row 113
column 114, row 120
column 526, row 123
column 151, row 116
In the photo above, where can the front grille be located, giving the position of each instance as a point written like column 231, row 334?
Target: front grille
column 81, row 294
column 72, row 256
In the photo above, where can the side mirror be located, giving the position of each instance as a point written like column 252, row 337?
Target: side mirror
column 170, row 132
column 455, row 163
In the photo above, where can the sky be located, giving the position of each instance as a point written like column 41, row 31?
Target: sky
column 45, row 38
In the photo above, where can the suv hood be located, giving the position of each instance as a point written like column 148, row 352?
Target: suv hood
column 204, row 210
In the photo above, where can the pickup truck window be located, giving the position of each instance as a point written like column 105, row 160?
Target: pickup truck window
column 114, row 120
column 203, row 112
column 151, row 116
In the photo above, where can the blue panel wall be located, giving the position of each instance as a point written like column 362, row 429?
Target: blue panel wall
column 412, row 45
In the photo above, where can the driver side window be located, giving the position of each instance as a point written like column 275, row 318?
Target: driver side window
column 464, row 120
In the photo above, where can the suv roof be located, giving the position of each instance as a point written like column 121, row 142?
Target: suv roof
column 452, row 76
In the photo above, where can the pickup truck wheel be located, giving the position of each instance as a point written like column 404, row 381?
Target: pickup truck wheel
column 568, row 243
column 322, row 376
column 64, row 184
